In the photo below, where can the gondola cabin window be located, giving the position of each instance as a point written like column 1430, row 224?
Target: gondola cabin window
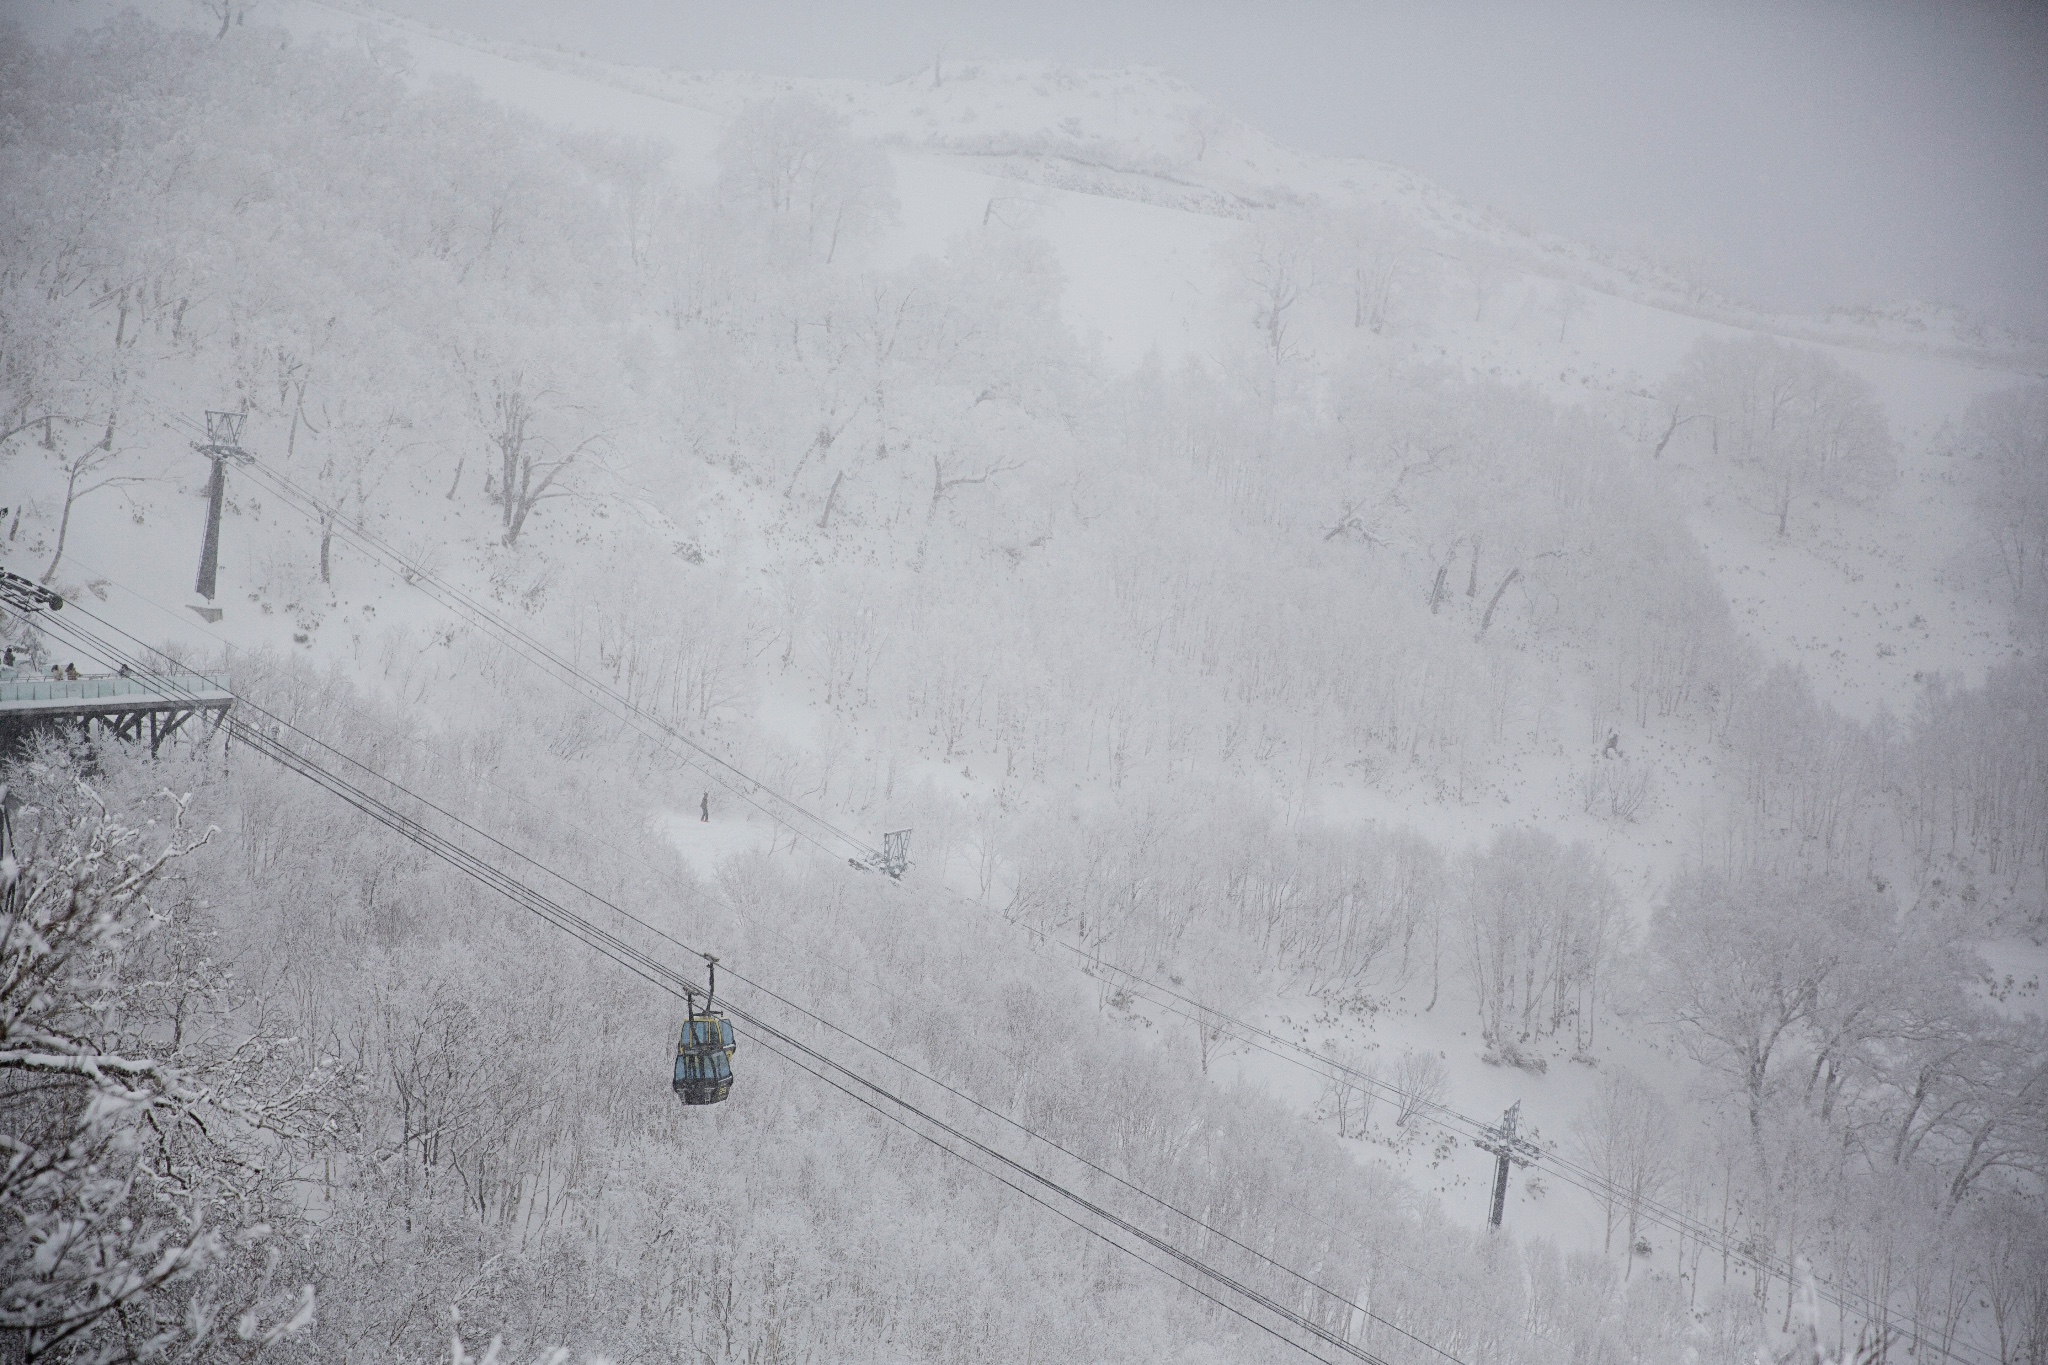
column 695, row 1069
column 708, row 1033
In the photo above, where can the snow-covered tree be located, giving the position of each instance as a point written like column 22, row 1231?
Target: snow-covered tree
column 125, row 1198
column 792, row 159
column 2005, row 435
column 1745, row 961
column 1540, row 925
column 1790, row 414
column 1624, row 1137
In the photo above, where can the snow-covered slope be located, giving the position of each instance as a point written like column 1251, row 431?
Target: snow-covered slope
column 1134, row 133
column 1142, row 194
column 1138, row 183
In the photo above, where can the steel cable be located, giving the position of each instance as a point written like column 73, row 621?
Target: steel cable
column 652, row 970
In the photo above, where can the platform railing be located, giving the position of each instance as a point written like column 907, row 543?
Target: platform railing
column 175, row 686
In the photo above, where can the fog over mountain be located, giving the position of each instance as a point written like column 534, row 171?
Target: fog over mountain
column 1814, row 153
column 921, row 684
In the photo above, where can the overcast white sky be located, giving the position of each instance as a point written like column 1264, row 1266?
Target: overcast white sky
column 1821, row 150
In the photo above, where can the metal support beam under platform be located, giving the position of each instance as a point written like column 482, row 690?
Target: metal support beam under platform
column 150, row 706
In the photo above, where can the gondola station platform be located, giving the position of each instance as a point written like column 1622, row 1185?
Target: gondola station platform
column 152, row 707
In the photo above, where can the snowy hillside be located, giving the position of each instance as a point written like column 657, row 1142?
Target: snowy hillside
column 1141, row 134
column 1330, row 645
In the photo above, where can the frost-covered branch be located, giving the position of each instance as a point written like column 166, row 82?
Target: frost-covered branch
column 112, row 1161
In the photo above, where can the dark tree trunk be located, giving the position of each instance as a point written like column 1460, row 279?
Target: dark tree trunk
column 1487, row 620
column 831, row 498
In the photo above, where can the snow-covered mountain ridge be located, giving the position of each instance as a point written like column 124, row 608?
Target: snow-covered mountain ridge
column 1142, row 134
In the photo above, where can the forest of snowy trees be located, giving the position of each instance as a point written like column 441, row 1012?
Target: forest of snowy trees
column 274, row 1080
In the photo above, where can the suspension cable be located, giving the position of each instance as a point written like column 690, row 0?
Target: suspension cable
column 658, row 973
column 761, row 987
column 748, row 788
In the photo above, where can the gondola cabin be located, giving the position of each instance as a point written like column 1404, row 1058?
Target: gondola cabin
column 704, row 1051
column 704, row 1058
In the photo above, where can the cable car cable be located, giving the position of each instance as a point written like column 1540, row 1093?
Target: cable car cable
column 826, row 1023
column 666, row 874
column 659, row 974
column 308, row 504
column 1044, row 1203
column 478, row 614
column 562, row 670
column 417, row 576
column 853, row 1037
column 651, row 970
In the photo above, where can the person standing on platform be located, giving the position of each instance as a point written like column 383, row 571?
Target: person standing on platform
column 704, row 810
